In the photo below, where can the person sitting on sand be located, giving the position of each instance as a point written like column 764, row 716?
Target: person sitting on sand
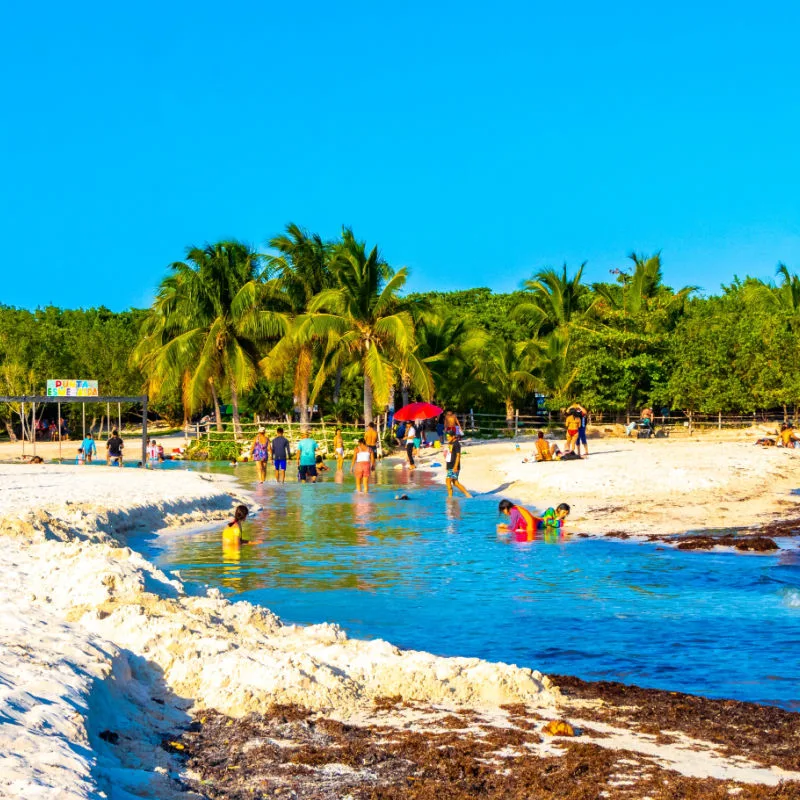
column 544, row 451
column 523, row 521
column 233, row 532
column 788, row 438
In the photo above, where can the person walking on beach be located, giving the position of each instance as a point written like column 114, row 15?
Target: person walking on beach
column 453, row 461
column 338, row 448
column 260, row 450
column 411, row 435
column 451, row 423
column 114, row 448
column 361, row 465
column 371, row 439
column 281, row 453
column 307, row 458
column 89, row 448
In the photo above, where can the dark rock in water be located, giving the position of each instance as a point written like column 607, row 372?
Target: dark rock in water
column 759, row 544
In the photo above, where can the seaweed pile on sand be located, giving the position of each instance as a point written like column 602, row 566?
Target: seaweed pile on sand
column 293, row 753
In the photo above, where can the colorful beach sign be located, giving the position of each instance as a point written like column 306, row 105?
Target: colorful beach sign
column 71, row 388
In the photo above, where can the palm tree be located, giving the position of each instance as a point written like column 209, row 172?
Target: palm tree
column 449, row 345
column 362, row 320
column 556, row 300
column 302, row 267
column 206, row 326
column 505, row 367
column 643, row 289
column 788, row 293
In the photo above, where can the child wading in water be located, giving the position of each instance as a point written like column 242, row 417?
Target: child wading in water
column 338, row 447
column 233, row 533
column 523, row 521
column 453, row 459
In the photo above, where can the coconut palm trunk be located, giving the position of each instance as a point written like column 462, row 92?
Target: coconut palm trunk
column 237, row 424
column 509, row 412
column 217, row 411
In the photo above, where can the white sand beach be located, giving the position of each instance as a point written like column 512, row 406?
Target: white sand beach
column 102, row 654
column 657, row 486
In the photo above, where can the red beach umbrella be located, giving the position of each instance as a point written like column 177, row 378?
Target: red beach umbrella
column 415, row 411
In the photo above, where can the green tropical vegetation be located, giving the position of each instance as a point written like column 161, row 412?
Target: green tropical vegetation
column 315, row 327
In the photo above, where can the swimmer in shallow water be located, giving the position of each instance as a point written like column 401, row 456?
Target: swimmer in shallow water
column 523, row 521
column 233, row 533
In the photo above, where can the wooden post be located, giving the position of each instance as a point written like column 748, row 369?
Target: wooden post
column 119, row 418
column 719, row 423
column 83, row 417
column 144, row 431
column 58, row 422
column 22, row 421
column 516, row 423
column 691, row 426
column 33, row 426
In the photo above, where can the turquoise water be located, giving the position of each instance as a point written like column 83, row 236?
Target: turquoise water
column 432, row 574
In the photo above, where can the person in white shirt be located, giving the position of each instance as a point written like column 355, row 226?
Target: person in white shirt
column 411, row 434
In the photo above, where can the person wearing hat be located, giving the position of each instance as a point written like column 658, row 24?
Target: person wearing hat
column 260, row 451
column 453, row 461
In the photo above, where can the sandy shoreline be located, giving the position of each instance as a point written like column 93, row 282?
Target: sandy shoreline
column 103, row 655
column 663, row 486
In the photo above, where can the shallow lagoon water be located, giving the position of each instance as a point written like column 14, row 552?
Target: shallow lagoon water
column 432, row 574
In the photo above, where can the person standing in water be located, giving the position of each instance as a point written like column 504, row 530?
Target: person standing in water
column 89, row 448
column 338, row 448
column 371, row 440
column 260, row 451
column 411, row 435
column 361, row 465
column 453, row 461
column 307, row 458
column 281, row 453
column 114, row 448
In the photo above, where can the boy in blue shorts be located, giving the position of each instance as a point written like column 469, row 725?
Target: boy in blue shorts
column 281, row 453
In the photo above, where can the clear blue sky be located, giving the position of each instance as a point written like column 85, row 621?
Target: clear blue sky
column 474, row 142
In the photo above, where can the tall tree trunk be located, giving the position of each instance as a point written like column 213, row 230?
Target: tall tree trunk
column 302, row 377
column 10, row 430
column 509, row 412
column 217, row 411
column 237, row 424
column 367, row 400
column 404, row 392
column 337, row 385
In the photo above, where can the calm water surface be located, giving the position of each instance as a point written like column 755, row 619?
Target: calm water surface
column 432, row 574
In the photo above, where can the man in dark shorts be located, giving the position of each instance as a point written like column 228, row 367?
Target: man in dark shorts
column 281, row 453
column 307, row 458
column 114, row 447
column 371, row 439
